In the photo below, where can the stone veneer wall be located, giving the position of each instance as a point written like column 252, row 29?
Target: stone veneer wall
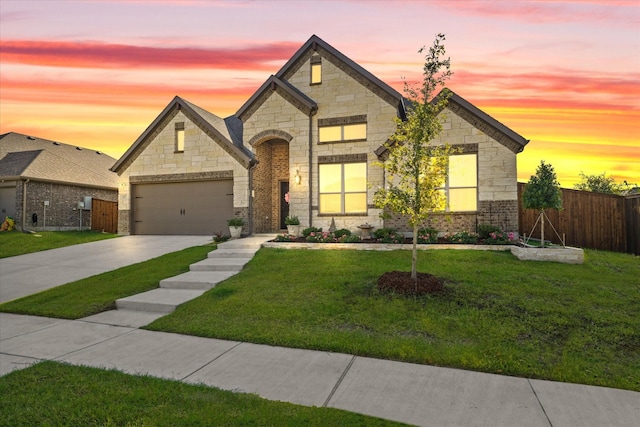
column 339, row 95
column 62, row 212
column 201, row 155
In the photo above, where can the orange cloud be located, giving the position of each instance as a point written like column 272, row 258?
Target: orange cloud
column 107, row 55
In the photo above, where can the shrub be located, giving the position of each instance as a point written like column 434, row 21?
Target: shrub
column 500, row 238
column 321, row 237
column 285, row 238
column 350, row 238
column 462, row 237
column 427, row 235
column 388, row 235
column 485, row 229
column 310, row 230
column 341, row 232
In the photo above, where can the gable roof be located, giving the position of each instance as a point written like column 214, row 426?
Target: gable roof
column 27, row 157
column 222, row 131
column 485, row 123
column 316, row 45
column 289, row 92
column 477, row 118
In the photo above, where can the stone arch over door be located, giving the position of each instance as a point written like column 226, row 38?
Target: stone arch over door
column 269, row 176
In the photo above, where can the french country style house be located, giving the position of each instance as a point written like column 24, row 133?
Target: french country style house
column 305, row 144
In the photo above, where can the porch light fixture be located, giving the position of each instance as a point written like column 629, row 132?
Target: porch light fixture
column 297, row 177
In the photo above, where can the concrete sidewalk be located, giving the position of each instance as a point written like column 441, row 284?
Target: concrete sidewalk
column 28, row 274
column 414, row 394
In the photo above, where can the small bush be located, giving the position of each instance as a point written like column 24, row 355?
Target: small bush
column 321, row 237
column 485, row 229
column 285, row 238
column 292, row 220
column 235, row 222
column 500, row 238
column 341, row 232
column 388, row 235
column 427, row 235
column 462, row 237
column 310, row 230
column 351, row 238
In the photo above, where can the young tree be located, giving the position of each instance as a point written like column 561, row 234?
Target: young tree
column 599, row 184
column 416, row 170
column 542, row 192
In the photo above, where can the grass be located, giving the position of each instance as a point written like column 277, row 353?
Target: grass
column 16, row 243
column 98, row 293
column 56, row 394
column 572, row 323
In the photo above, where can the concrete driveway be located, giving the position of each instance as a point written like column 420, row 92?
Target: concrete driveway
column 28, row 274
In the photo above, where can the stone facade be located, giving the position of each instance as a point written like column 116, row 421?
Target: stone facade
column 278, row 128
column 159, row 161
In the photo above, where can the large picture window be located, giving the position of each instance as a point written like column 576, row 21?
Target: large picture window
column 461, row 187
column 343, row 188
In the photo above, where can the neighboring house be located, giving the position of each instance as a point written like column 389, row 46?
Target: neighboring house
column 42, row 182
column 305, row 144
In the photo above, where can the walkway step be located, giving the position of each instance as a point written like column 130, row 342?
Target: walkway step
column 196, row 280
column 158, row 300
column 219, row 264
column 233, row 253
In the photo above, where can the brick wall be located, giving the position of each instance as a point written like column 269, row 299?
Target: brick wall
column 272, row 169
column 62, row 212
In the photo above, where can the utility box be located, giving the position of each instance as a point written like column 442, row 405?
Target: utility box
column 87, row 203
column 81, row 205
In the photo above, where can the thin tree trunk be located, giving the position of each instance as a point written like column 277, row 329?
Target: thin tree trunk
column 414, row 256
column 542, row 229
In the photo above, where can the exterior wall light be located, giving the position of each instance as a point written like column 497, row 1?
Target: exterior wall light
column 297, row 178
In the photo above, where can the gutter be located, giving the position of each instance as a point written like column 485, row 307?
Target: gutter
column 310, row 173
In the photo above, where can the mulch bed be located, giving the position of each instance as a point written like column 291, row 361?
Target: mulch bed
column 400, row 282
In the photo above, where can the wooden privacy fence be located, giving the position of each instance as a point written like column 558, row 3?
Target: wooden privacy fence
column 104, row 216
column 588, row 220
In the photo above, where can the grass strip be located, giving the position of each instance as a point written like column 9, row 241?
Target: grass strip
column 51, row 393
column 572, row 323
column 16, row 243
column 98, row 293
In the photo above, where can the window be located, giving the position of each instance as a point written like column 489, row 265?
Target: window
column 461, row 187
column 340, row 133
column 316, row 70
column 343, row 188
column 179, row 137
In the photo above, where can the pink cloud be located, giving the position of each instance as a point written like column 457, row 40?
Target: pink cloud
column 614, row 12
column 104, row 55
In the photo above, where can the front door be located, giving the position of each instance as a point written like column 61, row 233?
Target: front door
column 284, row 203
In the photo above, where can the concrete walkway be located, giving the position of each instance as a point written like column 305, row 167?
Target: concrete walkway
column 414, row 394
column 28, row 274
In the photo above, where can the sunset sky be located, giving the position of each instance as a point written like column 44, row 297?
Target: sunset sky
column 565, row 75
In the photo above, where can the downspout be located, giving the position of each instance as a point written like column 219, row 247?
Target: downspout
column 252, row 166
column 24, row 203
column 310, row 173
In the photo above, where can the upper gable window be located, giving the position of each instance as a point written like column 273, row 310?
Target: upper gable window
column 342, row 129
column 179, row 147
column 316, row 70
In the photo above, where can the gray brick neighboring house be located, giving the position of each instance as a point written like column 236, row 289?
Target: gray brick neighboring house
column 42, row 181
column 305, row 144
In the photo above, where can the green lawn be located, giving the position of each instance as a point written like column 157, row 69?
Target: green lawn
column 99, row 293
column 54, row 394
column 14, row 243
column 573, row 323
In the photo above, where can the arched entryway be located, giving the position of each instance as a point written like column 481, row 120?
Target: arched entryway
column 270, row 184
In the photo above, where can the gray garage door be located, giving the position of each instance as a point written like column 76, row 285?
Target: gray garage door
column 192, row 208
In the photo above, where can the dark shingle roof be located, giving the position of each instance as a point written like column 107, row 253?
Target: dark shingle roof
column 23, row 156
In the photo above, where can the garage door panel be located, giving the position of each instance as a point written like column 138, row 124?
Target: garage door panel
column 196, row 208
